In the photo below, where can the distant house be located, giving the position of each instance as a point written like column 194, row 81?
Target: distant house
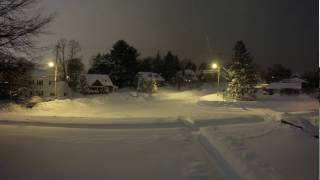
column 294, row 80
column 286, row 86
column 97, row 84
column 187, row 75
column 43, row 84
column 146, row 77
column 207, row 75
column 186, row 78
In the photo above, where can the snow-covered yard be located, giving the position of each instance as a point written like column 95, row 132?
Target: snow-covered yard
column 186, row 135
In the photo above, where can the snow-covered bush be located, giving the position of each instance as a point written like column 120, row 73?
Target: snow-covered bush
column 153, row 87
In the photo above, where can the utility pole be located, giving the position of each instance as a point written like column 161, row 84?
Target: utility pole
column 219, row 77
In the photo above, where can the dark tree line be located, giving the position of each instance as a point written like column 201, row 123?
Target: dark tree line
column 122, row 63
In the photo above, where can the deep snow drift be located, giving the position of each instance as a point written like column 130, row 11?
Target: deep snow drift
column 167, row 104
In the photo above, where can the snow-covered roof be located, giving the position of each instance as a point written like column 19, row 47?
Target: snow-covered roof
column 150, row 75
column 293, row 80
column 209, row 71
column 261, row 85
column 281, row 85
column 102, row 78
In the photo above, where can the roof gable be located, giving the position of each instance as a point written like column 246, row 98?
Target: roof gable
column 97, row 83
column 103, row 80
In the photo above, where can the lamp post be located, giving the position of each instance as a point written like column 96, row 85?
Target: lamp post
column 216, row 66
column 51, row 65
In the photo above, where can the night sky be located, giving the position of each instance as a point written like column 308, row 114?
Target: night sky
column 275, row 31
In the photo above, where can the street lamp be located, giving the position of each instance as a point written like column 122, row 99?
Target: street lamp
column 51, row 65
column 216, row 66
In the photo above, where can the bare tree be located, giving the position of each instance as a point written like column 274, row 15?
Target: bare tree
column 74, row 49
column 19, row 23
column 60, row 50
column 65, row 51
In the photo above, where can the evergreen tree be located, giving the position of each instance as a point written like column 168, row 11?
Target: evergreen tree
column 101, row 64
column 124, row 63
column 244, row 76
column 146, row 65
column 158, row 64
column 171, row 66
column 204, row 66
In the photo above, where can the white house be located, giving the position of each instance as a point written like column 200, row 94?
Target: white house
column 292, row 85
column 293, row 80
column 43, row 84
column 98, row 84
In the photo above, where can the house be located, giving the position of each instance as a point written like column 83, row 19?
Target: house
column 97, row 84
column 294, row 80
column 286, row 86
column 186, row 77
column 146, row 77
column 43, row 84
column 207, row 75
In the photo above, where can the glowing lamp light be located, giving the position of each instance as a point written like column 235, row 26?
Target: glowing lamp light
column 214, row 66
column 51, row 64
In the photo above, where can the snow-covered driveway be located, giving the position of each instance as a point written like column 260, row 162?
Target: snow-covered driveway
column 36, row 153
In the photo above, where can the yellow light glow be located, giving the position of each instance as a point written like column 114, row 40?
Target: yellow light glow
column 214, row 66
column 51, row 64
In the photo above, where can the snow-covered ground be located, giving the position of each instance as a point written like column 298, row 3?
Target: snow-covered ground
column 193, row 134
column 167, row 104
column 61, row 153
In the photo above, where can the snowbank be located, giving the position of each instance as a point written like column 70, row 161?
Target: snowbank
column 212, row 98
column 167, row 105
column 266, row 150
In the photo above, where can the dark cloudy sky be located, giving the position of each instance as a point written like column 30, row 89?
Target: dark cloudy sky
column 275, row 31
